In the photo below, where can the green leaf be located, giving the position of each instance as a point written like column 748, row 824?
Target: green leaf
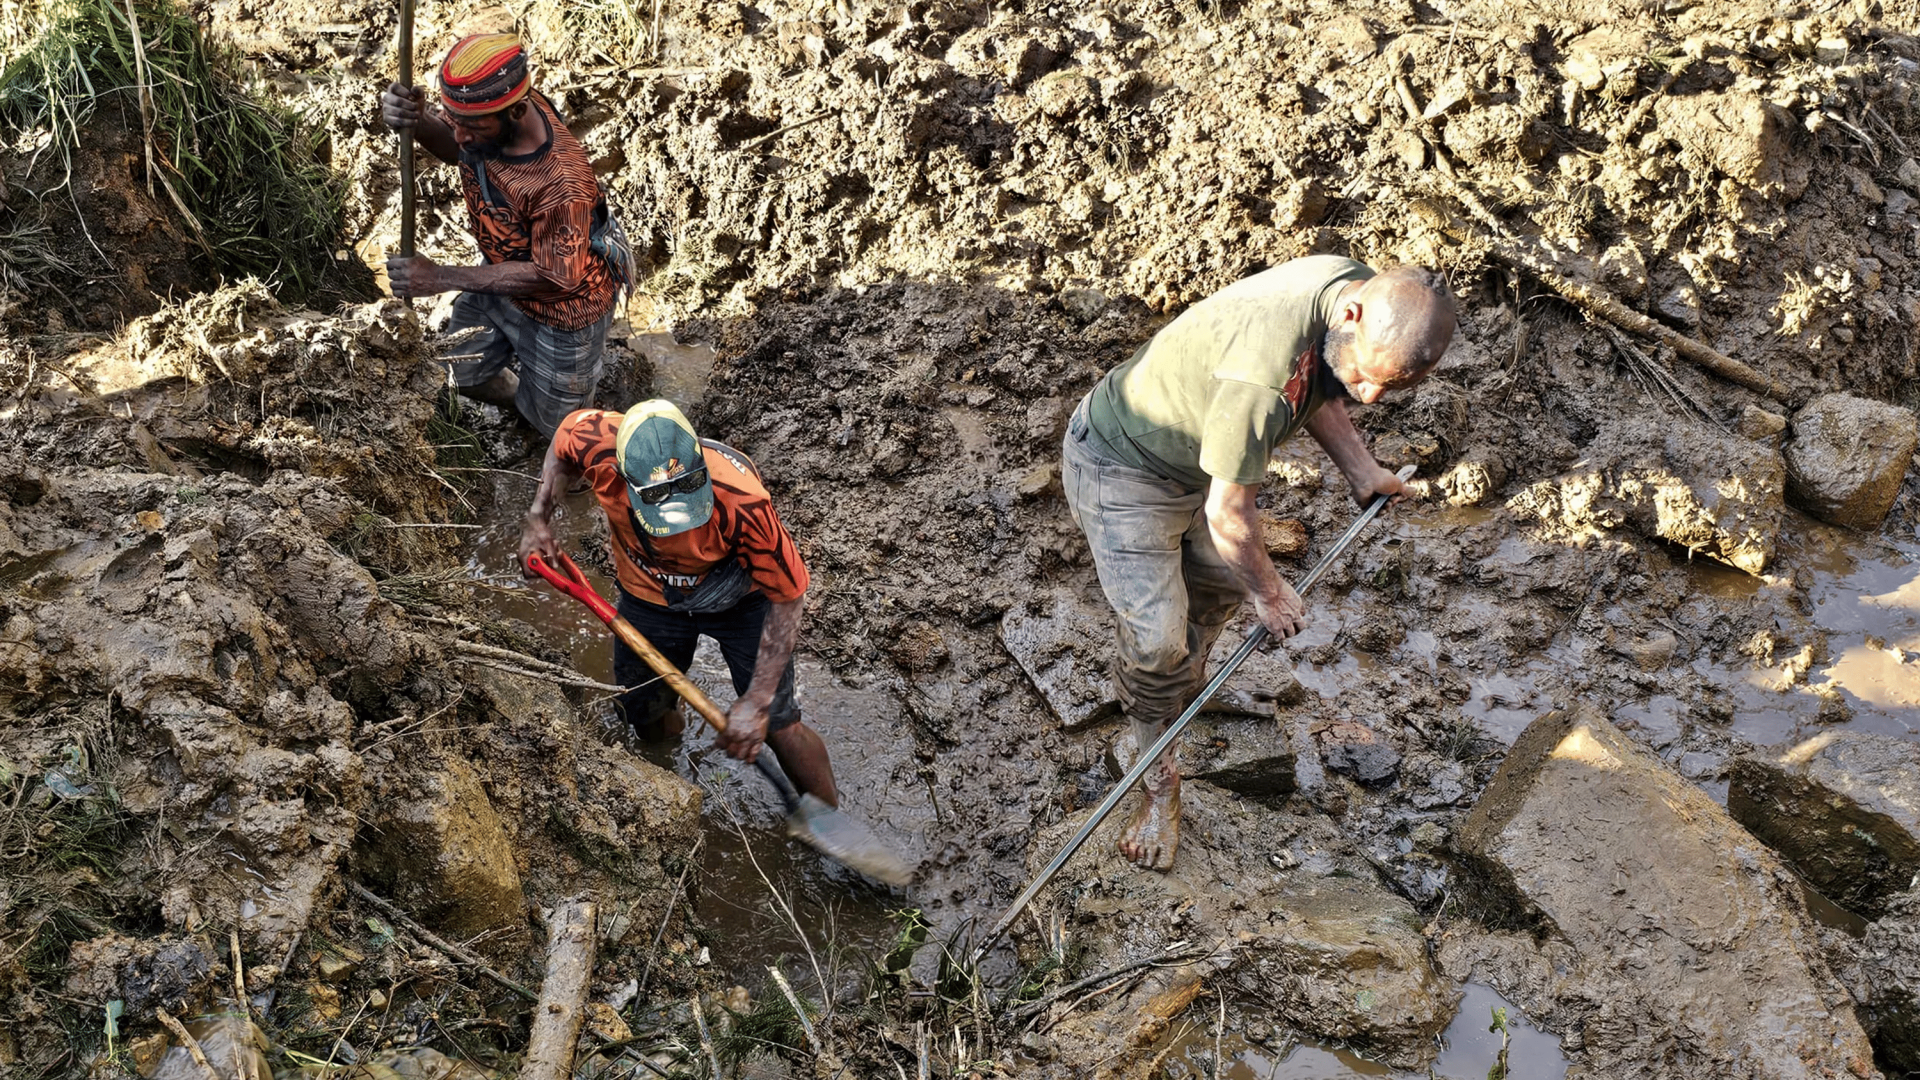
column 1499, row 1019
column 115, row 1010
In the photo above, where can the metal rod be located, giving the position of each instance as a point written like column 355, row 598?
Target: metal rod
column 1151, row 755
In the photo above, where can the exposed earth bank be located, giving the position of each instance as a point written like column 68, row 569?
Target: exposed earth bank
column 251, row 661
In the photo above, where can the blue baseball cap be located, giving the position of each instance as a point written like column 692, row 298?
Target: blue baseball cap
column 656, row 444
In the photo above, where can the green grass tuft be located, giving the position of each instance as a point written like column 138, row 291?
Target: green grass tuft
column 247, row 177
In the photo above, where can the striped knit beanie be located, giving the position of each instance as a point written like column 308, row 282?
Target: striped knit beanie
column 483, row 74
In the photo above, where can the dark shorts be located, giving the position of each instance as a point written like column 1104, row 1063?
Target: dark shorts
column 676, row 634
column 559, row 369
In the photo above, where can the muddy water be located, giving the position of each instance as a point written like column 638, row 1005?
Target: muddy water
column 1469, row 1049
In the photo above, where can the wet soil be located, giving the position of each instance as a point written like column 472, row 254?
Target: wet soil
column 890, row 247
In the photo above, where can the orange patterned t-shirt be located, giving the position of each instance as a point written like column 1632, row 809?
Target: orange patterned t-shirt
column 743, row 524
column 539, row 208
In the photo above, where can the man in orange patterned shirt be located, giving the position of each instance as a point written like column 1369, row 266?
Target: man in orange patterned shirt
column 697, row 550
column 555, row 257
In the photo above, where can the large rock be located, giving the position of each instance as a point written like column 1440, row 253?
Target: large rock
column 1685, row 947
column 445, row 855
column 1679, row 481
column 1843, row 808
column 1847, row 458
column 1308, row 930
column 1883, row 971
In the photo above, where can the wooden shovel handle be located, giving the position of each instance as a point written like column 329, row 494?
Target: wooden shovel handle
column 564, row 574
column 675, row 678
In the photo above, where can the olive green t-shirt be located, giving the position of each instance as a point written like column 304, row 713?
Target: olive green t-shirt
column 1237, row 373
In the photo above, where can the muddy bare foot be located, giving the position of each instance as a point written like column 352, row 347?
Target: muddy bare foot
column 1154, row 833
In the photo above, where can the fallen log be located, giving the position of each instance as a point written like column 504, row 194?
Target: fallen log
column 563, row 994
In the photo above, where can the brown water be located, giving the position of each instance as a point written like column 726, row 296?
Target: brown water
column 1469, row 1049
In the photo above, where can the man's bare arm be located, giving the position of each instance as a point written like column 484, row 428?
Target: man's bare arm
column 1333, row 429
column 536, row 533
column 1234, row 523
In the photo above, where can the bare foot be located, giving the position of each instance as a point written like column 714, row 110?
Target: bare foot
column 1154, row 832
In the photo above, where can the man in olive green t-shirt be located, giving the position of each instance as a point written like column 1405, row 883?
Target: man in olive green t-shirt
column 1163, row 459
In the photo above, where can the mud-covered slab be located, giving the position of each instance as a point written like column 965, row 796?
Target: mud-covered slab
column 1691, row 950
column 1064, row 642
column 1065, row 653
column 1713, row 493
column 1296, row 919
column 1842, row 808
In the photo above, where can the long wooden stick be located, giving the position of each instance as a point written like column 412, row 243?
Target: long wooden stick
column 405, row 48
column 571, row 946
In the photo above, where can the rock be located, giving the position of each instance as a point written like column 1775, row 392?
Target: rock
column 1740, row 135
column 1473, row 479
column 1084, row 304
column 1679, row 481
column 1242, row 754
column 1683, row 948
column 1064, row 93
column 1842, row 808
column 444, row 855
column 336, row 969
column 1358, row 751
column 1762, row 426
column 1285, row 538
column 1882, row 970
column 1302, row 206
column 1908, row 174
column 1680, row 306
column 1322, row 945
column 1065, row 656
column 1847, row 458
column 1038, row 480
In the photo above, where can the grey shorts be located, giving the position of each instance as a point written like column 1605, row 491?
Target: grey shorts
column 559, row 369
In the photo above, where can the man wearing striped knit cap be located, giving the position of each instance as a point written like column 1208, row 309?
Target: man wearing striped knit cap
column 555, row 258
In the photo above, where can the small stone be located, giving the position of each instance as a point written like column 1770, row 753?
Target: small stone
column 1285, row 538
column 1760, row 425
column 1038, row 481
column 1909, row 175
column 376, row 1000
column 1681, row 305
column 1357, row 751
column 1898, row 204
column 1831, row 50
column 1084, row 304
column 336, row 969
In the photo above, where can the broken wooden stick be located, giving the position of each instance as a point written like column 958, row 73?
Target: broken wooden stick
column 187, row 1040
column 427, row 936
column 571, row 944
column 1596, row 301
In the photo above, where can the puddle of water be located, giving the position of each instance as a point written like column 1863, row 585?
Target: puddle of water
column 680, row 372
column 1470, row 1050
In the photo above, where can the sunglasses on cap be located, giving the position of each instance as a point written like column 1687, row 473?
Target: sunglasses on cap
column 684, row 484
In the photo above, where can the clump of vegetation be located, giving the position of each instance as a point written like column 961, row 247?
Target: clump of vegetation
column 246, row 177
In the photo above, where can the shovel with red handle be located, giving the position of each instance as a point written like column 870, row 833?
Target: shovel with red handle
column 833, row 833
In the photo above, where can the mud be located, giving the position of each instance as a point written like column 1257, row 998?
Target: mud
column 889, row 248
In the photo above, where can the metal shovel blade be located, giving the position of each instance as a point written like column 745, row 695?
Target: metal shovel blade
column 846, row 841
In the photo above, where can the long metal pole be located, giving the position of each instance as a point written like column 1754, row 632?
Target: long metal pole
column 405, row 49
column 1151, row 755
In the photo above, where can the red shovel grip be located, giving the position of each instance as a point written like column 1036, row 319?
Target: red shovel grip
column 566, row 577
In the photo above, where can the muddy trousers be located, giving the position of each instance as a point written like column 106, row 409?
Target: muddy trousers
column 677, row 634
column 1170, row 590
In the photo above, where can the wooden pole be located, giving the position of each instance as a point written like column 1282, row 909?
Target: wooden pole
column 405, row 49
column 571, row 943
